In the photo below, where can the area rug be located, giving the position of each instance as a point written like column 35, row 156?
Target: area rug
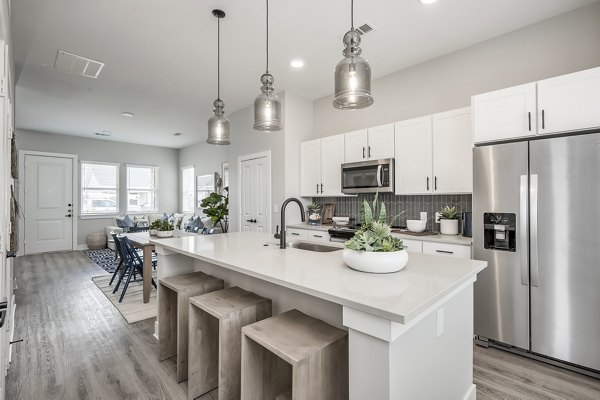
column 132, row 308
column 105, row 258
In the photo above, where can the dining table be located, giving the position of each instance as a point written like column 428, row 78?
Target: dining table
column 141, row 240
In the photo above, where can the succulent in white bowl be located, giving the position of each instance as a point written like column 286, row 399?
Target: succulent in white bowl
column 373, row 248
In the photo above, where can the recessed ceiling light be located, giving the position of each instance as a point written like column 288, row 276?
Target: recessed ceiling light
column 426, row 2
column 297, row 63
column 103, row 133
column 177, row 134
column 127, row 114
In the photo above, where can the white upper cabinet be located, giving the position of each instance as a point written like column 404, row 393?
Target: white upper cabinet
column 380, row 142
column 413, row 142
column 370, row 144
column 310, row 168
column 332, row 158
column 569, row 102
column 504, row 114
column 356, row 146
column 320, row 166
column 452, row 152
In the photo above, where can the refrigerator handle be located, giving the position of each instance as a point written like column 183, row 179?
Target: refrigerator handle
column 523, row 231
column 535, row 278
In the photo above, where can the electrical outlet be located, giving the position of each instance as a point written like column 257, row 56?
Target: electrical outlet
column 437, row 217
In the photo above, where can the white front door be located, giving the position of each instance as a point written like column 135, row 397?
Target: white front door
column 255, row 183
column 48, row 204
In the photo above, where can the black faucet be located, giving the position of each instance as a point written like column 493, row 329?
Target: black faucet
column 281, row 236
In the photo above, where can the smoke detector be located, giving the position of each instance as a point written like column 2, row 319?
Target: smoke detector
column 78, row 65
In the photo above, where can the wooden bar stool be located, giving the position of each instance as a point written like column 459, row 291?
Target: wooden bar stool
column 215, row 339
column 173, row 307
column 294, row 356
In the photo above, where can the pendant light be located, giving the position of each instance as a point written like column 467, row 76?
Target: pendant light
column 352, row 74
column 267, row 107
column 218, row 125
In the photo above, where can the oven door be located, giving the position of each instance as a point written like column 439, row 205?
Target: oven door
column 368, row 176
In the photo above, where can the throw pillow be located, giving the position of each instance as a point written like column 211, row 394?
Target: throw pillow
column 121, row 222
column 178, row 220
column 128, row 221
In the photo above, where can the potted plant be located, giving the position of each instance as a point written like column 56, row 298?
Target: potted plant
column 154, row 227
column 449, row 221
column 216, row 207
column 314, row 214
column 165, row 229
column 373, row 248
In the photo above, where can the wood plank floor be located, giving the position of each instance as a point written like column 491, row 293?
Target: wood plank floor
column 77, row 346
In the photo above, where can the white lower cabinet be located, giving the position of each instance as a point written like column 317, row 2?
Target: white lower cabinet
column 413, row 246
column 296, row 234
column 317, row 236
column 445, row 249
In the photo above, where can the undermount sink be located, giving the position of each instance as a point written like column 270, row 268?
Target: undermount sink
column 321, row 248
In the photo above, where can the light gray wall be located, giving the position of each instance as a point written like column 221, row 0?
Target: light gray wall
column 102, row 150
column 560, row 45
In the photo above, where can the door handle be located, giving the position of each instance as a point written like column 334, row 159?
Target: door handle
column 68, row 215
column 523, row 229
column 379, row 170
column 251, row 220
column 363, row 151
column 533, row 221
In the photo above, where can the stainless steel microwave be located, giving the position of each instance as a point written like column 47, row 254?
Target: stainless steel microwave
column 368, row 176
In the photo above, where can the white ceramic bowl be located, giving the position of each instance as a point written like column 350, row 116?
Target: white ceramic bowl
column 376, row 263
column 416, row 225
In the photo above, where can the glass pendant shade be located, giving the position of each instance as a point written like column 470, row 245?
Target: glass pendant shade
column 352, row 76
column 218, row 125
column 267, row 107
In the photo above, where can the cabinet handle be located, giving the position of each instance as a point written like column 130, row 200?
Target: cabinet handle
column 543, row 120
column 445, row 251
column 319, row 236
column 317, row 188
column 435, row 183
column 369, row 151
column 428, row 184
column 321, row 188
column 295, row 234
column 363, row 151
column 529, row 118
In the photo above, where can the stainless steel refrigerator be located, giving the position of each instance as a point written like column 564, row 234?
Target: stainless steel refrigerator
column 536, row 221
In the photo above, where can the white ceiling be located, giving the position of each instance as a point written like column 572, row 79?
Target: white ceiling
column 161, row 55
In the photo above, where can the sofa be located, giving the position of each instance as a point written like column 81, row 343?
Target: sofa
column 140, row 223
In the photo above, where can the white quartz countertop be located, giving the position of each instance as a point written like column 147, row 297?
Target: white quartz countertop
column 400, row 296
column 438, row 238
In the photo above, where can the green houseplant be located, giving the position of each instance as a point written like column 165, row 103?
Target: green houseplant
column 165, row 229
column 216, row 207
column 373, row 248
column 449, row 220
column 153, row 228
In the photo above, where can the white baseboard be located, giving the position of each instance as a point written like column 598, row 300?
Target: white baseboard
column 82, row 247
column 471, row 393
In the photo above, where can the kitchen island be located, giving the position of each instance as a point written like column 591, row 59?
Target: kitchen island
column 410, row 332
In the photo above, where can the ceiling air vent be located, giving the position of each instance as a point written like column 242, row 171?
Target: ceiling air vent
column 74, row 64
column 365, row 28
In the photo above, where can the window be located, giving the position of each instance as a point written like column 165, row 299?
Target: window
column 187, row 189
column 205, row 186
column 99, row 188
column 142, row 188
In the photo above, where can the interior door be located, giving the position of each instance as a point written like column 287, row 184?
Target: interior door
column 569, row 102
column 414, row 156
column 48, row 204
column 255, row 177
column 565, row 248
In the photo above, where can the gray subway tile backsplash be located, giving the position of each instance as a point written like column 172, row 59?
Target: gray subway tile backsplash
column 411, row 205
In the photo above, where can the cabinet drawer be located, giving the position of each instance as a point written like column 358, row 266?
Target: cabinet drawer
column 413, row 246
column 445, row 249
column 296, row 234
column 317, row 236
